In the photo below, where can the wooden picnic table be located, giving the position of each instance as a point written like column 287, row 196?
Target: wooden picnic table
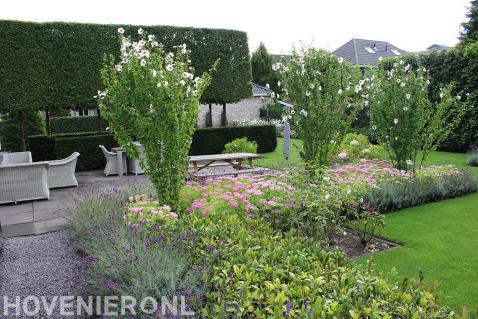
column 236, row 160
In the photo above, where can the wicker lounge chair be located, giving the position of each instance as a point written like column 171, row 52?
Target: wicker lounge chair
column 62, row 172
column 25, row 181
column 17, row 158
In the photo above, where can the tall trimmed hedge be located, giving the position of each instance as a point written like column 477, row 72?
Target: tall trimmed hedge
column 56, row 65
column 75, row 124
column 205, row 141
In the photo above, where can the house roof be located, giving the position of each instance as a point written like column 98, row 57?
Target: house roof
column 278, row 57
column 258, row 90
column 438, row 47
column 367, row 52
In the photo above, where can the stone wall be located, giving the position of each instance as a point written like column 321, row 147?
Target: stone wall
column 245, row 109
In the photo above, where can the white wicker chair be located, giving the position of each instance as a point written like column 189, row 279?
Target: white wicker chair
column 26, row 181
column 62, row 172
column 17, row 158
column 134, row 165
column 111, row 167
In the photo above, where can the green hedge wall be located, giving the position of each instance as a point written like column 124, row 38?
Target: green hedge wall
column 75, row 124
column 56, row 65
column 212, row 140
column 205, row 141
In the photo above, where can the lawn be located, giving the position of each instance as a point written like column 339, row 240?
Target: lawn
column 441, row 239
column 276, row 159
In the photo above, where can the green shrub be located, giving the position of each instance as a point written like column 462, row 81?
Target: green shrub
column 255, row 272
column 59, row 64
column 240, row 145
column 272, row 110
column 473, row 156
column 356, row 146
column 10, row 130
column 430, row 185
column 213, row 140
column 160, row 268
column 75, row 124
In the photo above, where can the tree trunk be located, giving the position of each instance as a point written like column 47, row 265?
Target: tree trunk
column 21, row 125
column 224, row 115
column 99, row 120
column 47, row 121
column 210, row 114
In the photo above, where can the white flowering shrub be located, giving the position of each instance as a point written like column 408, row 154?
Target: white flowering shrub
column 153, row 97
column 402, row 117
column 322, row 89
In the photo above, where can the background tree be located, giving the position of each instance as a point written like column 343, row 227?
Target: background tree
column 470, row 27
column 261, row 64
column 33, row 124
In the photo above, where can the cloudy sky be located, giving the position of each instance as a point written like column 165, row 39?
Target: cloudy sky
column 412, row 25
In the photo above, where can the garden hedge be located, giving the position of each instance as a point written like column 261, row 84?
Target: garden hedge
column 75, row 124
column 57, row 65
column 205, row 141
column 212, row 140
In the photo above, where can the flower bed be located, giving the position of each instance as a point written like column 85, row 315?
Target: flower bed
column 254, row 245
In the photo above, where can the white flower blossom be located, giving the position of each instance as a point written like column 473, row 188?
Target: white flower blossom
column 395, row 121
column 120, row 30
column 340, row 91
column 458, row 97
column 292, row 112
column 408, row 96
column 118, row 67
column 278, row 83
column 169, row 67
column 340, row 60
column 140, row 31
column 441, row 95
column 268, row 86
column 154, row 73
column 307, row 93
column 405, row 108
column 303, row 112
column 402, row 84
column 409, row 162
column 354, row 143
column 312, row 86
column 142, row 62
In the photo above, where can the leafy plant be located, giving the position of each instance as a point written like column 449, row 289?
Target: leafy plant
column 153, row 97
column 368, row 224
column 321, row 87
column 10, row 134
column 473, row 156
column 240, row 145
column 402, row 116
column 357, row 146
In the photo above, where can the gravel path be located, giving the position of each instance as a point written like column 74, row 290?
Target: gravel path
column 40, row 265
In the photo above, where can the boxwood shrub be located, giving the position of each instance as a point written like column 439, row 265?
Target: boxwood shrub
column 75, row 124
column 205, row 141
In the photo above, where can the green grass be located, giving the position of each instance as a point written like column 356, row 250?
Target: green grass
column 441, row 239
column 276, row 159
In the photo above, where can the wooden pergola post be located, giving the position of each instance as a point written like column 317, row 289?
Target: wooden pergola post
column 224, row 115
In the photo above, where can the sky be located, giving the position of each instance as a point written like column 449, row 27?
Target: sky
column 411, row 25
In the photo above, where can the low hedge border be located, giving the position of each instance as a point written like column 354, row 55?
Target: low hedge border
column 205, row 141
column 73, row 124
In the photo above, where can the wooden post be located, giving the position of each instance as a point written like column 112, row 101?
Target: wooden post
column 47, row 121
column 99, row 120
column 21, row 125
column 224, row 115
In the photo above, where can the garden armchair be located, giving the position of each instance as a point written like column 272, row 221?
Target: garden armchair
column 17, row 158
column 61, row 173
column 25, row 181
column 111, row 167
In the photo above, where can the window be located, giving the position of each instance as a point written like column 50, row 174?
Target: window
column 370, row 50
column 396, row 52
